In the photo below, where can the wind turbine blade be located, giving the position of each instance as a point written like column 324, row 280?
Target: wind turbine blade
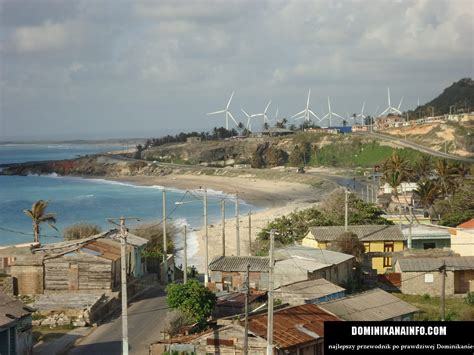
column 233, row 119
column 297, row 114
column 335, row 114
column 388, row 95
column 256, row 115
column 324, row 117
column 307, row 102
column 228, row 103
column 363, row 106
column 397, row 111
column 299, row 118
column 375, row 112
column 213, row 113
column 276, row 114
column 314, row 115
column 400, row 104
column 385, row 111
column 266, row 108
column 329, row 104
column 245, row 113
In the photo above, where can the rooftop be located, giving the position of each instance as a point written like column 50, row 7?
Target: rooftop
column 365, row 232
column 11, row 310
column 432, row 264
column 420, row 231
column 467, row 225
column 372, row 305
column 293, row 325
column 305, row 255
column 310, row 288
column 239, row 263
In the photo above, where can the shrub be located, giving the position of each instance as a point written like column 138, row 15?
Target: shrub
column 469, row 299
column 80, row 231
column 154, row 233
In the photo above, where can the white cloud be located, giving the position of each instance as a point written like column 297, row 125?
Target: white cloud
column 39, row 38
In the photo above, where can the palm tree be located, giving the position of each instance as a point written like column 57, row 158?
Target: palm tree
column 38, row 215
column 427, row 191
column 445, row 175
column 424, row 166
column 396, row 170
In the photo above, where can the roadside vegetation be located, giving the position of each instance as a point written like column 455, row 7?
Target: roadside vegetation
column 456, row 308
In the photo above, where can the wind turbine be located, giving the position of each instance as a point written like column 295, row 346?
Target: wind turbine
column 361, row 115
column 227, row 113
column 264, row 113
column 330, row 113
column 249, row 118
column 390, row 109
column 306, row 112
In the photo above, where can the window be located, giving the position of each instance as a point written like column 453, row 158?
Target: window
column 387, row 261
column 387, row 248
column 429, row 245
column 367, row 247
column 428, row 278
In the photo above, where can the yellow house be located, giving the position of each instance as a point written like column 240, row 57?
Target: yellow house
column 380, row 241
column 462, row 238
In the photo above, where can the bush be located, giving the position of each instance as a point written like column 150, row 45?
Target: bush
column 80, row 231
column 175, row 321
column 154, row 233
column 469, row 299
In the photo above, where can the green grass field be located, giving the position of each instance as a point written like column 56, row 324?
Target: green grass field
column 456, row 308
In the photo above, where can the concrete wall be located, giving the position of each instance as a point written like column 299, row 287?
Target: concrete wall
column 258, row 280
column 462, row 242
column 29, row 279
column 419, row 283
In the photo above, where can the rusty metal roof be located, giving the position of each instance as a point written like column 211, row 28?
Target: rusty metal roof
column 239, row 263
column 293, row 326
column 11, row 310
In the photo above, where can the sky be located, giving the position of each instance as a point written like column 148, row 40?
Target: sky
column 114, row 68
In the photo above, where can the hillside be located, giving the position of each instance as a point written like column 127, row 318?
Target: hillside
column 459, row 96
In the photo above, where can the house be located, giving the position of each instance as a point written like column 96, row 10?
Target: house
column 227, row 273
column 277, row 131
column 300, row 263
column 360, row 128
column 16, row 336
column 296, row 330
column 462, row 238
column 422, row 236
column 380, row 241
column 308, row 291
column 91, row 263
column 372, row 305
column 422, row 275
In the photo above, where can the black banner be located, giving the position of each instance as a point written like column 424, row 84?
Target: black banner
column 400, row 337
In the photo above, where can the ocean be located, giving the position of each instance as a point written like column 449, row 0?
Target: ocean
column 75, row 200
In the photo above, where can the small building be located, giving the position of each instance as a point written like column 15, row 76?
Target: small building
column 16, row 336
column 380, row 241
column 421, row 276
column 309, row 291
column 462, row 238
column 227, row 273
column 426, row 236
column 372, row 305
column 300, row 263
column 229, row 304
column 360, row 128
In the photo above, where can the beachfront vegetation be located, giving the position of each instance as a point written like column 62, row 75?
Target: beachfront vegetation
column 192, row 298
column 293, row 227
column 80, row 231
column 38, row 216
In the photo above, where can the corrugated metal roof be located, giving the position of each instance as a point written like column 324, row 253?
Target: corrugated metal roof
column 239, row 263
column 11, row 310
column 468, row 225
column 132, row 239
column 293, row 326
column 311, row 288
column 373, row 305
column 322, row 256
column 423, row 231
column 415, row 264
column 364, row 232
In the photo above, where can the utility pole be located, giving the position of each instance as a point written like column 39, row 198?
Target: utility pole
column 223, row 226
column 247, row 293
column 165, row 242
column 270, row 296
column 346, row 210
column 185, row 275
column 368, row 198
column 409, row 228
column 237, row 227
column 250, row 233
column 123, row 277
column 206, row 276
column 442, row 269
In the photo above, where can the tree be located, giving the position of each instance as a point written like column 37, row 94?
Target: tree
column 154, row 233
column 275, row 156
column 396, row 170
column 38, row 215
column 424, row 166
column 297, row 157
column 445, row 176
column 427, row 191
column 80, row 231
column 193, row 299
column 349, row 243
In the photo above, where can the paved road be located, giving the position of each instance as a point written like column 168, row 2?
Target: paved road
column 419, row 147
column 145, row 321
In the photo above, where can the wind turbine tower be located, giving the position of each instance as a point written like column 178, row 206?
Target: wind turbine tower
column 306, row 113
column 390, row 109
column 227, row 113
column 330, row 114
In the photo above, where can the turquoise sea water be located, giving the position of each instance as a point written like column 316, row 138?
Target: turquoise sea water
column 76, row 200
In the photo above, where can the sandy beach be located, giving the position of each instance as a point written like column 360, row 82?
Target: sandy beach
column 277, row 198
